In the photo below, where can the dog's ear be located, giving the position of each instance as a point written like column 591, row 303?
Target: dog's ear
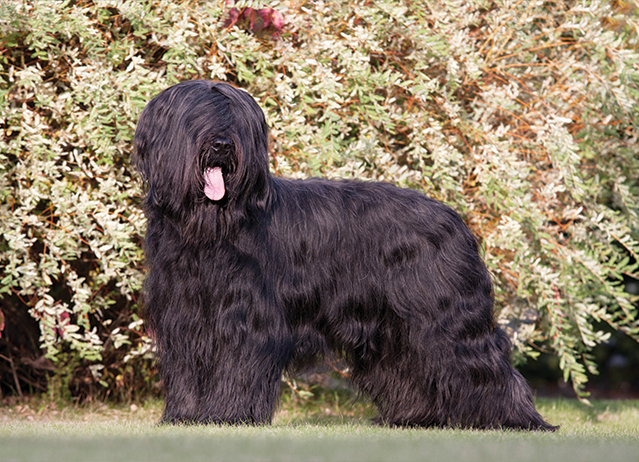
column 140, row 157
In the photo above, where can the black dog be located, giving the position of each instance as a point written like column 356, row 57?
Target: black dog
column 251, row 275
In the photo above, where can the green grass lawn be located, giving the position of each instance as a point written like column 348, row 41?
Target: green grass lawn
column 319, row 430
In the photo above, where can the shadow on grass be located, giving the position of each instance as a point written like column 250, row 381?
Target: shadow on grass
column 313, row 404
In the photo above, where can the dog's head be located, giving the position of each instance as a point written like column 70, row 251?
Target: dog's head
column 201, row 144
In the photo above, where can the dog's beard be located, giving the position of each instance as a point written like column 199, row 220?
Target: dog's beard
column 214, row 183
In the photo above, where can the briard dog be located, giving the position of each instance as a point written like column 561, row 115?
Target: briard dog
column 251, row 275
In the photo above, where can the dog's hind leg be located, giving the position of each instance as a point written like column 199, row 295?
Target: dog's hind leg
column 453, row 365
column 454, row 373
column 440, row 360
column 468, row 383
column 476, row 385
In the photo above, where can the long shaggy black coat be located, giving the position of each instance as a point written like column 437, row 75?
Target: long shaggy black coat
column 250, row 275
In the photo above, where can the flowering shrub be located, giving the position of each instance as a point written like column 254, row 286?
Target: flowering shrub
column 521, row 115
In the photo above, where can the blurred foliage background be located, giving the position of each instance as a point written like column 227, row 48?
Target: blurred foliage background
column 523, row 116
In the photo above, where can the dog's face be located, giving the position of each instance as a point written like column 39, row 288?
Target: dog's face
column 201, row 144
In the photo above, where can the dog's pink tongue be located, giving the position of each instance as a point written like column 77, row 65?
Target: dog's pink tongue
column 214, row 183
